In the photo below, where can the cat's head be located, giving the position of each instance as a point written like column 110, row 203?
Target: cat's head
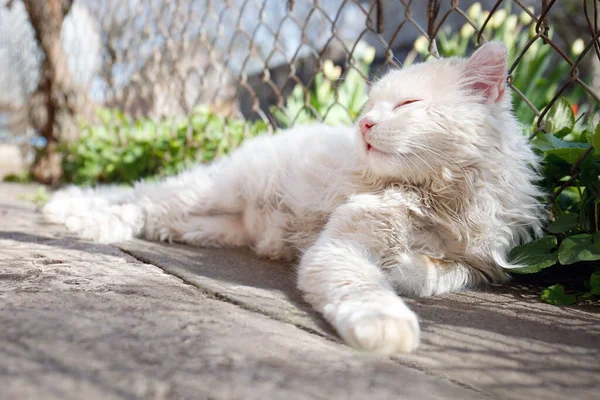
column 427, row 116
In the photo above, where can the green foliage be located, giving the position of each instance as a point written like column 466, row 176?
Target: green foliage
column 594, row 283
column 568, row 146
column 555, row 294
column 39, row 198
column 560, row 118
column 23, row 177
column 564, row 223
column 123, row 150
column 536, row 255
column 578, row 248
column 330, row 100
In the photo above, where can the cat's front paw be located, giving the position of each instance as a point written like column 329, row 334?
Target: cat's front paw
column 378, row 328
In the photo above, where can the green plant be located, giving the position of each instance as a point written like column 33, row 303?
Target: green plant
column 122, row 150
column 22, row 177
column 39, row 198
column 571, row 170
column 538, row 68
column 330, row 100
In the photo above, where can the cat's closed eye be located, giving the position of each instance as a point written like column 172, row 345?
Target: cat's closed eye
column 404, row 103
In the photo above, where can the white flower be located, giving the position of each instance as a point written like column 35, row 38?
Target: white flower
column 422, row 45
column 369, row 55
column 525, row 18
column 331, row 71
column 498, row 18
column 511, row 24
column 474, row 12
column 467, row 31
column 577, row 47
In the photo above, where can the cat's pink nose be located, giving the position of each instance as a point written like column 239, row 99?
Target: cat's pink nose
column 365, row 125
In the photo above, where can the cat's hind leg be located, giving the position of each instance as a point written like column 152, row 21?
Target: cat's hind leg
column 109, row 224
column 109, row 213
column 225, row 230
column 76, row 201
column 154, row 210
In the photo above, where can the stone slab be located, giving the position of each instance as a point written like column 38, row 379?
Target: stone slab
column 86, row 321
column 500, row 342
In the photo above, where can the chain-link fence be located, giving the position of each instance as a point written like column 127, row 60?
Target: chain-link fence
column 277, row 61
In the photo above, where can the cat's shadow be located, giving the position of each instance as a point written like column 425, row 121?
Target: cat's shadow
column 237, row 274
column 265, row 286
column 509, row 311
column 503, row 328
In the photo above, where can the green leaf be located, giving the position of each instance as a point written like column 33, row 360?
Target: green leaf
column 586, row 296
column 578, row 248
column 536, row 255
column 561, row 119
column 555, row 295
column 569, row 155
column 546, row 142
column 128, row 158
column 589, row 172
column 39, row 198
column 595, row 283
column 564, row 223
column 596, row 138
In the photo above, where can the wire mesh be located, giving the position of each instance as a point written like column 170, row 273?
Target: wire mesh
column 247, row 58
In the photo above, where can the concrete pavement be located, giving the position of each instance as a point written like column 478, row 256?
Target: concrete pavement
column 148, row 320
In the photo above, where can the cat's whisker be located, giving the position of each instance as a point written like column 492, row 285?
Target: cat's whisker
column 404, row 158
column 427, row 164
column 448, row 161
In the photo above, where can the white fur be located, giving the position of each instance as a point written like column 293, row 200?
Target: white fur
column 450, row 190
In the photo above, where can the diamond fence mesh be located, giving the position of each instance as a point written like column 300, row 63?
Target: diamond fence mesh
column 276, row 61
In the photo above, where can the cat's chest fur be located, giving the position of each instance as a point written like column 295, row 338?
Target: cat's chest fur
column 315, row 182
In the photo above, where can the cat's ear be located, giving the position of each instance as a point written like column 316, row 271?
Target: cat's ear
column 486, row 70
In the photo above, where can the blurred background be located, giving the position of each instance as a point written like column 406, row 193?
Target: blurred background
column 117, row 90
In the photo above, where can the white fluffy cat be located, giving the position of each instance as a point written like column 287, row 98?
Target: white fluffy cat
column 427, row 195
